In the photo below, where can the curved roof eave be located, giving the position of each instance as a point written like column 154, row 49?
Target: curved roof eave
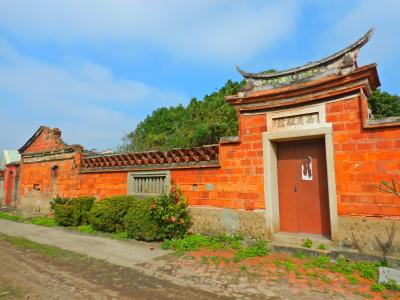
column 356, row 45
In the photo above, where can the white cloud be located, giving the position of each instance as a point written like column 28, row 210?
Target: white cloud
column 87, row 103
column 384, row 47
column 384, row 16
column 197, row 29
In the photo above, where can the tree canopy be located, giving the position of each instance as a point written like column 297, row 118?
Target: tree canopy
column 383, row 104
column 201, row 122
column 204, row 122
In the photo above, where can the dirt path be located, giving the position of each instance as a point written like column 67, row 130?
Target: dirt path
column 46, row 273
column 119, row 252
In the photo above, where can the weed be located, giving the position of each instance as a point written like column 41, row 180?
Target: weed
column 215, row 259
column 43, row 221
column 307, row 243
column 367, row 270
column 300, row 255
column 188, row 243
column 87, row 229
column 277, row 263
column 321, row 261
column 243, row 268
column 204, row 260
column 377, row 287
column 260, row 249
column 352, row 279
column 322, row 247
column 120, row 235
column 366, row 296
column 324, row 278
column 10, row 217
column 289, row 266
column 225, row 260
column 312, row 274
column 392, row 285
column 197, row 241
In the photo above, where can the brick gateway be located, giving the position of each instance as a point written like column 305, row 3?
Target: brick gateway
column 236, row 185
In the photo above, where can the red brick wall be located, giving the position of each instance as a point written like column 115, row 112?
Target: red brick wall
column 48, row 140
column 66, row 183
column 239, row 183
column 103, row 184
column 363, row 157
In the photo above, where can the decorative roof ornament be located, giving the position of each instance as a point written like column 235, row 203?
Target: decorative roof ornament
column 340, row 63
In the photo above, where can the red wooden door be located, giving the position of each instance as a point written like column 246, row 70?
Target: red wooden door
column 303, row 187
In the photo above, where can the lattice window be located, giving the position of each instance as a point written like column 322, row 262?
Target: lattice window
column 147, row 184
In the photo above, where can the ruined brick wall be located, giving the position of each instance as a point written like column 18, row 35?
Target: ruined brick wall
column 48, row 140
column 363, row 157
column 49, row 168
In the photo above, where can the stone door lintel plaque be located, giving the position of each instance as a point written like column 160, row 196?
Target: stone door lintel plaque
column 300, row 118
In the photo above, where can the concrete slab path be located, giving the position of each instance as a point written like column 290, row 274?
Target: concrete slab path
column 123, row 253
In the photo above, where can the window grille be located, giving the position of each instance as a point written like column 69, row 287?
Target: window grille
column 146, row 184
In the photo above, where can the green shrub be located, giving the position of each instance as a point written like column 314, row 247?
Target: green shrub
column 108, row 214
column 139, row 223
column 170, row 213
column 72, row 212
column 307, row 243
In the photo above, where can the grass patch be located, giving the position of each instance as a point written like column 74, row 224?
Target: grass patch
column 352, row 279
column 39, row 220
column 46, row 250
column 198, row 241
column 10, row 217
column 260, row 249
column 43, row 221
column 289, row 266
column 300, row 255
column 87, row 229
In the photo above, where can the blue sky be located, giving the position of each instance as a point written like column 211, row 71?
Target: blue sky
column 96, row 68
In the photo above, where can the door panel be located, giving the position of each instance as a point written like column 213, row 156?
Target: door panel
column 303, row 188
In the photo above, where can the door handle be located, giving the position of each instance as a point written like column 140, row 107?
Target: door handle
column 295, row 188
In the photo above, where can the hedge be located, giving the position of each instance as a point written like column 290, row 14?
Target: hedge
column 138, row 221
column 108, row 214
column 72, row 212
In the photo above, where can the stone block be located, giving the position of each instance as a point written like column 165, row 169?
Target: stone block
column 386, row 273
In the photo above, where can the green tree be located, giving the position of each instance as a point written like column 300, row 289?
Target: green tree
column 201, row 122
column 384, row 104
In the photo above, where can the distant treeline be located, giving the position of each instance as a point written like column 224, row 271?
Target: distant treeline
column 204, row 122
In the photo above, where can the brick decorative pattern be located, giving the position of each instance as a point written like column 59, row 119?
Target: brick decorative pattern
column 177, row 156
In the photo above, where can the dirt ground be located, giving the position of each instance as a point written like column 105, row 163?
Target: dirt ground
column 31, row 274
